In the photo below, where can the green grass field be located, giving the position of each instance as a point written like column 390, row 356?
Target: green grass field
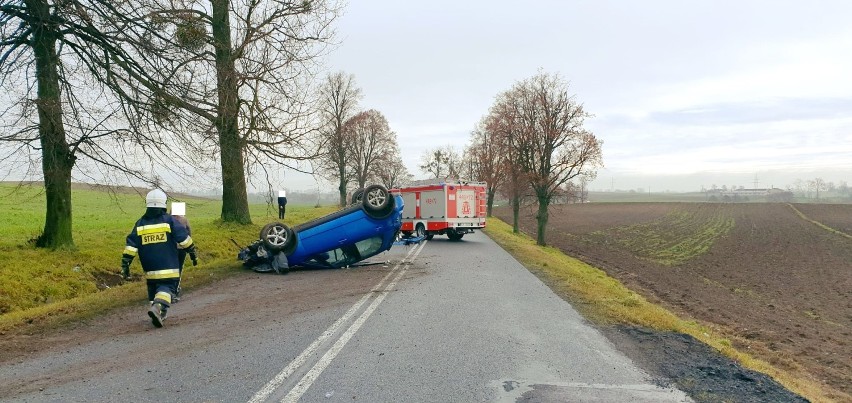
column 36, row 282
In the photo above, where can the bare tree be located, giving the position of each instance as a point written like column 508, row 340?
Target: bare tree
column 240, row 77
column 339, row 98
column 391, row 171
column 433, row 162
column 467, row 167
column 576, row 192
column 48, row 51
column 488, row 159
column 372, row 142
column 584, row 189
column 454, row 162
column 442, row 162
column 817, row 184
column 551, row 144
column 504, row 122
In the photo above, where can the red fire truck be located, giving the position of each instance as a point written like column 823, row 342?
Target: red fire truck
column 449, row 207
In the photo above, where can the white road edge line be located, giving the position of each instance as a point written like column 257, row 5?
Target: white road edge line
column 309, row 378
column 297, row 362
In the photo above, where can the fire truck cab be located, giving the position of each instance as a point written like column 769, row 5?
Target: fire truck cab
column 451, row 208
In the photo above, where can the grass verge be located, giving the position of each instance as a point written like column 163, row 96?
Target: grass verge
column 91, row 305
column 604, row 300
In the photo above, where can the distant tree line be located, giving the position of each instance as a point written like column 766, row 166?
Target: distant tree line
column 819, row 189
column 816, row 189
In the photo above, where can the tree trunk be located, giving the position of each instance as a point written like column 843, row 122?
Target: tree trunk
column 516, row 207
column 490, row 201
column 541, row 218
column 234, row 195
column 56, row 156
column 342, row 189
column 340, row 156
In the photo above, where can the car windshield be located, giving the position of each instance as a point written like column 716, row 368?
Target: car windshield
column 347, row 254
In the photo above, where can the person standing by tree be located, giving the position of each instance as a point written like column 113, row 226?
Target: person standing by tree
column 156, row 238
column 282, row 203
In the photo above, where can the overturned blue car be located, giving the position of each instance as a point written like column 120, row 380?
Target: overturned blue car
column 367, row 227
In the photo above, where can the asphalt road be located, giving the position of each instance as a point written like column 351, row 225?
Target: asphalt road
column 439, row 322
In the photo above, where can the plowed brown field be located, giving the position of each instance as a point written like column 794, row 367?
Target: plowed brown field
column 778, row 285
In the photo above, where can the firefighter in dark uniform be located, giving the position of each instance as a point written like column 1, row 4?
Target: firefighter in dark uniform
column 156, row 238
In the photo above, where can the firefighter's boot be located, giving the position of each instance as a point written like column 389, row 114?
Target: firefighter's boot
column 157, row 313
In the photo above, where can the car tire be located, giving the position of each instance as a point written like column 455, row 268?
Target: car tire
column 377, row 201
column 357, row 197
column 276, row 236
column 420, row 230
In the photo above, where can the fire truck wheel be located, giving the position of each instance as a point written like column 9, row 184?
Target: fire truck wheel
column 377, row 199
column 276, row 236
column 420, row 230
column 454, row 236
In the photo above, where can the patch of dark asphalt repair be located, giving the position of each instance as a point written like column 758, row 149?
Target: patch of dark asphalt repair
column 693, row 367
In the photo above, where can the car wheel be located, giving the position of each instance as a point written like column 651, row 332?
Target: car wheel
column 276, row 236
column 420, row 230
column 357, row 197
column 454, row 236
column 377, row 199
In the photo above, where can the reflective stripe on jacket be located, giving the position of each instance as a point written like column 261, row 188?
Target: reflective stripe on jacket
column 156, row 241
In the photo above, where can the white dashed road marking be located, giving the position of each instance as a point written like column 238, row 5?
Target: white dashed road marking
column 326, row 359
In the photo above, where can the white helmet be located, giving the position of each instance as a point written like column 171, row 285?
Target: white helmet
column 156, row 198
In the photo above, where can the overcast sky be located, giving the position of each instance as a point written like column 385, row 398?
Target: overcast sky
column 684, row 93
